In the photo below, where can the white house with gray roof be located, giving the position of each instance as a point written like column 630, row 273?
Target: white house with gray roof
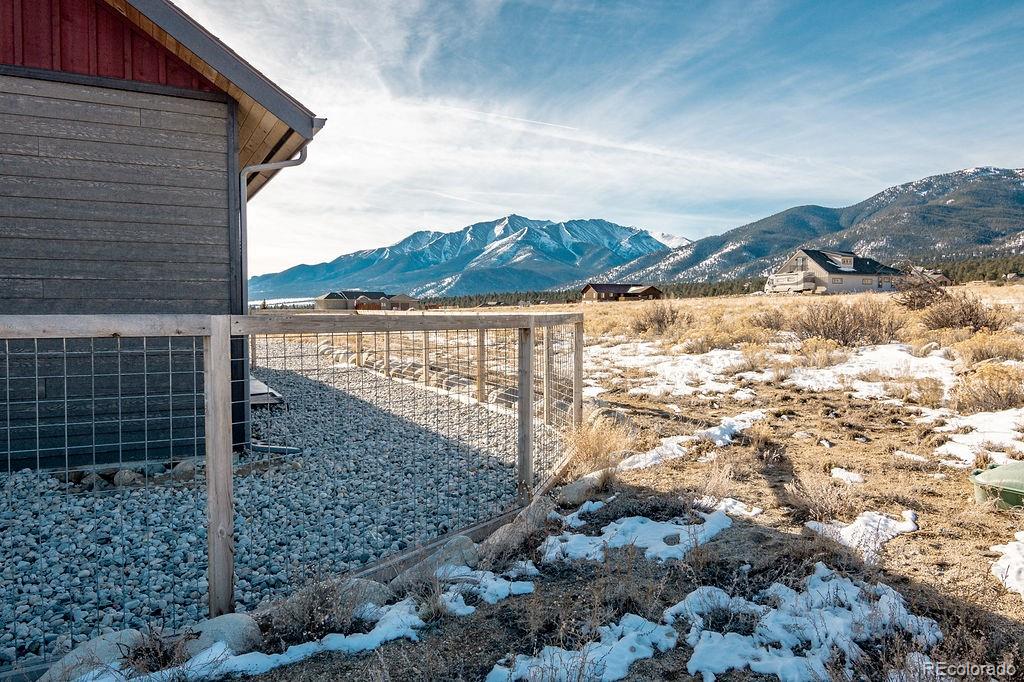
column 814, row 271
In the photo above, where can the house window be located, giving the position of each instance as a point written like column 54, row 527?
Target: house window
column 867, row 280
column 837, row 280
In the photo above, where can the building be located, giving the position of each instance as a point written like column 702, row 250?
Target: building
column 595, row 291
column 365, row 300
column 131, row 139
column 816, row 271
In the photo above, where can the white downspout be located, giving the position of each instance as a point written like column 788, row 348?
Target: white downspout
column 243, row 236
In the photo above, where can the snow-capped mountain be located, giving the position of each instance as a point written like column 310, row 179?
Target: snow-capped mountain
column 972, row 212
column 673, row 241
column 512, row 253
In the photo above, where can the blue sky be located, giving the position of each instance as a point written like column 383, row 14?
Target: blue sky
column 685, row 117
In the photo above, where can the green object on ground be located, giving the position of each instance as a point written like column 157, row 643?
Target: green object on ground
column 1003, row 483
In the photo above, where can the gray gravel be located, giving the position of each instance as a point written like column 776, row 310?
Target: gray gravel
column 383, row 465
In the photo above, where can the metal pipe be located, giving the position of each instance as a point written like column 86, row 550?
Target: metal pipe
column 243, row 236
column 243, row 245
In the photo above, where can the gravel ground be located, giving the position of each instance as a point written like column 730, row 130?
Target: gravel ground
column 383, row 465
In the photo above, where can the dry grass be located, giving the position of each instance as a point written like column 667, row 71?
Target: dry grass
column 849, row 324
column 987, row 345
column 819, row 352
column 989, row 388
column 963, row 310
column 317, row 609
column 657, row 317
column 595, row 445
column 157, row 652
column 820, row 499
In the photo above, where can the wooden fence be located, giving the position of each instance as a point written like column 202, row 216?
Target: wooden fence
column 218, row 332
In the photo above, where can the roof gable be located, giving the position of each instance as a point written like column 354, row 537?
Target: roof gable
column 861, row 265
column 91, row 38
column 610, row 288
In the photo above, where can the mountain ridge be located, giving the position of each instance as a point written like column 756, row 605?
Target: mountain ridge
column 506, row 254
column 966, row 213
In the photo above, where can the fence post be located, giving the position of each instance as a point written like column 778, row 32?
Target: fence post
column 359, row 349
column 549, row 363
column 219, row 503
column 481, row 365
column 387, row 353
column 577, row 375
column 524, row 439
column 426, row 357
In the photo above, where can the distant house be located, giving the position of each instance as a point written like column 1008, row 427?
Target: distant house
column 595, row 291
column 365, row 300
column 816, row 271
column 936, row 277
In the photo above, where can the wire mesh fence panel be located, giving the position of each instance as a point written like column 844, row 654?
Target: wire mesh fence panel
column 98, row 529
column 347, row 447
column 381, row 445
column 553, row 388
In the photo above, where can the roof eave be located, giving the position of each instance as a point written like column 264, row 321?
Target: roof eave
column 224, row 60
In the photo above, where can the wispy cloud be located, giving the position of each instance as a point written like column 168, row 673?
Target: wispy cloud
column 684, row 117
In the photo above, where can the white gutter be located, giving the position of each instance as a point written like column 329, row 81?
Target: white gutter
column 243, row 236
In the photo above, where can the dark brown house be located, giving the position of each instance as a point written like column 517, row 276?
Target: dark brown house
column 620, row 292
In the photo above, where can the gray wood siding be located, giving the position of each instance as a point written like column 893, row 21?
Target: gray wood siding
column 112, row 201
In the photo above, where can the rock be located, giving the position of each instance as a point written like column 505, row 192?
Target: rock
column 610, row 417
column 103, row 651
column 504, row 543
column 535, row 516
column 184, row 470
column 582, row 489
column 368, row 591
column 459, row 551
column 94, row 482
column 127, row 477
column 238, row 630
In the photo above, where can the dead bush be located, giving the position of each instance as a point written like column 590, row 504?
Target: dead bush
column 158, row 652
column 961, row 310
column 657, row 317
column 849, row 324
column 594, row 444
column 987, row 345
column 819, row 352
column 988, row 389
column 313, row 611
column 773, row 319
column 926, row 391
column 820, row 499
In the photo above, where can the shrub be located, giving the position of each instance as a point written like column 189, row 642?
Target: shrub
column 656, row 317
column 849, row 324
column 819, row 352
column 986, row 345
column 319, row 608
column 594, row 445
column 961, row 310
column 773, row 319
column 990, row 388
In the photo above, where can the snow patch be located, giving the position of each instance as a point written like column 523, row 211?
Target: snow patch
column 1009, row 569
column 847, row 477
column 728, row 505
column 660, row 540
column 831, row 614
column 621, row 644
column 868, row 533
column 676, row 446
column 988, row 431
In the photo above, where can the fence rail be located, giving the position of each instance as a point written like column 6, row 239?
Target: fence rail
column 396, row 429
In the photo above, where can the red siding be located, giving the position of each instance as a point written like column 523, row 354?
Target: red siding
column 88, row 37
